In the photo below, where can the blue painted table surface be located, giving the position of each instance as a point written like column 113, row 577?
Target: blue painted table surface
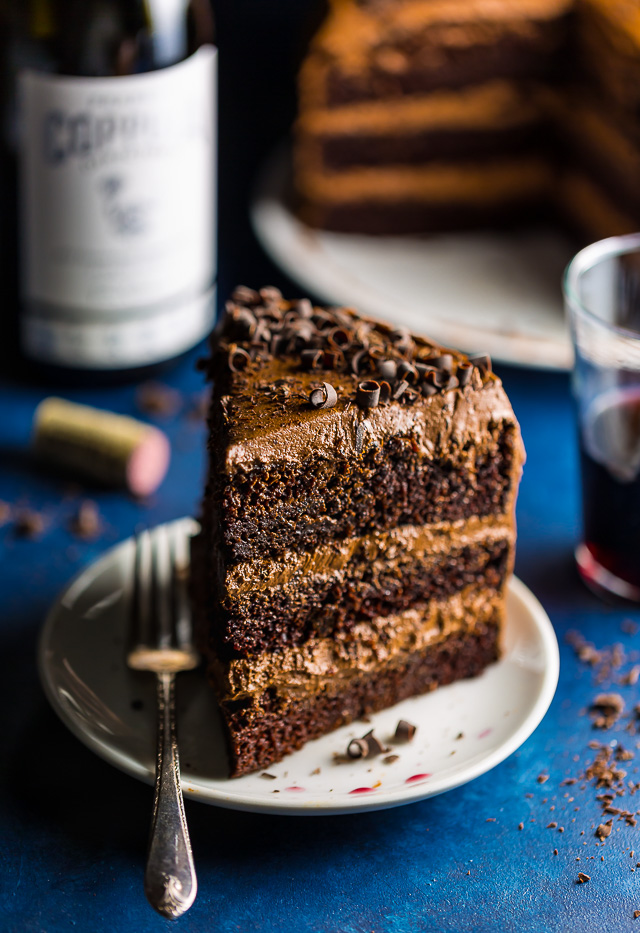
column 73, row 829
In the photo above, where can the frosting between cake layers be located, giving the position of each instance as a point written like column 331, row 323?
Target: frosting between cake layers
column 370, row 646
column 388, row 549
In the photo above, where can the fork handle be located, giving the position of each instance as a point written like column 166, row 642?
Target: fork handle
column 170, row 878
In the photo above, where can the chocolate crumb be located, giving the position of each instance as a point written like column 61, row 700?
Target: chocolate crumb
column 542, row 778
column 460, row 735
column 636, row 914
column 269, row 777
column 86, row 522
column 520, row 825
column 316, row 771
column 155, row 398
column 551, row 825
column 29, row 524
column 389, row 760
column 582, row 878
column 555, row 851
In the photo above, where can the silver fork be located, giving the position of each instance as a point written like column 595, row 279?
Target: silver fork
column 161, row 642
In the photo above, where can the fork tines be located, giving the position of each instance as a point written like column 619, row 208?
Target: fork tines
column 161, row 630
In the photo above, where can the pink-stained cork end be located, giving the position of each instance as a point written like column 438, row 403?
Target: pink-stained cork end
column 148, row 464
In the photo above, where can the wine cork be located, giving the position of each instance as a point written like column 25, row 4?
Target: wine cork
column 112, row 449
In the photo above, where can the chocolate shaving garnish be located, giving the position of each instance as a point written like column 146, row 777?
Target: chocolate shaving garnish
column 359, row 362
column 451, row 383
column 408, row 372
column 405, row 731
column 238, row 358
column 268, row 776
column 444, row 361
column 400, row 389
column 389, row 760
column 339, row 338
column 387, row 369
column 304, row 308
column 366, row 747
column 311, row 359
column 463, row 373
column 271, row 294
column 368, row 394
column 428, row 389
column 246, row 295
column 385, row 392
column 482, row 361
column 325, row 397
column 358, row 748
column 582, row 878
column 333, row 359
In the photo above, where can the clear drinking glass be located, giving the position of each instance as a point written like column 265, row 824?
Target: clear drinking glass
column 602, row 298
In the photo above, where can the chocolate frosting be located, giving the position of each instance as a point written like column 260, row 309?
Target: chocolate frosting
column 372, row 645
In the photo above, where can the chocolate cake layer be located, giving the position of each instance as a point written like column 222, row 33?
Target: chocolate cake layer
column 416, row 148
column 271, row 509
column 263, row 732
column 287, row 602
column 409, row 217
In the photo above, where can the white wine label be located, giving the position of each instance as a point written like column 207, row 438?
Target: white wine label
column 117, row 204
column 115, row 343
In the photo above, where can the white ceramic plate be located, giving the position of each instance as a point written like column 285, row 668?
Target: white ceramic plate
column 111, row 709
column 494, row 293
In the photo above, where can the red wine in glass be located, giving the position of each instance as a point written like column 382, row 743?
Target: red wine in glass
column 610, row 463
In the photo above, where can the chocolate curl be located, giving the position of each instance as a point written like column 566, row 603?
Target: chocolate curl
column 237, row 358
column 366, row 747
column 245, row 295
column 311, row 359
column 385, row 392
column 408, row 372
column 444, row 361
column 463, row 373
column 304, row 308
column 271, row 294
column 339, row 338
column 482, row 361
column 401, row 389
column 326, row 397
column 368, row 394
column 388, row 369
column 405, row 731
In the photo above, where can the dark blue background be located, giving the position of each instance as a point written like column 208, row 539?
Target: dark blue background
column 73, row 830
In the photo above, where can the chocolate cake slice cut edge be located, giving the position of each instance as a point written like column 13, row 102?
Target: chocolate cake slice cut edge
column 306, row 613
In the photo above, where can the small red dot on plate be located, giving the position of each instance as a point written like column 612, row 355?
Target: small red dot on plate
column 361, row 790
column 485, row 733
column 416, row 777
column 294, row 788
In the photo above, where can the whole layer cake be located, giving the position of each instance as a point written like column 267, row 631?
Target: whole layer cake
column 424, row 115
column 358, row 520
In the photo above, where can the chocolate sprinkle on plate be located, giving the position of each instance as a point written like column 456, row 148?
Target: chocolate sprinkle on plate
column 405, row 731
column 582, row 878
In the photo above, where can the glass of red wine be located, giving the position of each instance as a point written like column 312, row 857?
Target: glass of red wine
column 602, row 297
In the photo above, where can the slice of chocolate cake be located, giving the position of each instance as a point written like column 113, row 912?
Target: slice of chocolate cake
column 358, row 521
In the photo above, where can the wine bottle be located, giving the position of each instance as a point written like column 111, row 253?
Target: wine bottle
column 108, row 197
